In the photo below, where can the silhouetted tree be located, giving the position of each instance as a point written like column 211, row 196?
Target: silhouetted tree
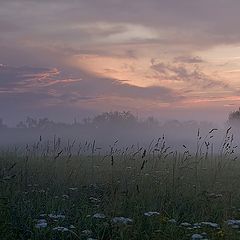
column 36, row 123
column 21, row 124
column 115, row 118
column 31, row 122
column 87, row 121
column 234, row 117
column 152, row 122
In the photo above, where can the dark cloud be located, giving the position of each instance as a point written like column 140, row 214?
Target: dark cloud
column 23, row 77
column 49, row 92
column 188, row 59
column 63, row 88
column 110, row 87
column 196, row 23
column 194, row 75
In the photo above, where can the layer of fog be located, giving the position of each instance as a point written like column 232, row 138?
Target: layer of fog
column 120, row 129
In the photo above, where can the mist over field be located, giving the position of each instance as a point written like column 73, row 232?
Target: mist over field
column 107, row 128
column 121, row 129
column 119, row 120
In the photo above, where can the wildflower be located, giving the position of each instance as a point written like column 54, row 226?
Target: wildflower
column 196, row 236
column 214, row 195
column 173, row 221
column 210, row 224
column 197, row 225
column 122, row 220
column 41, row 223
column 99, row 215
column 87, row 232
column 60, row 229
column 235, row 224
column 150, row 214
column 185, row 224
column 58, row 216
column 72, row 227
column 73, row 189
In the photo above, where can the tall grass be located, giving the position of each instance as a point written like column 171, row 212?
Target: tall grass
column 65, row 185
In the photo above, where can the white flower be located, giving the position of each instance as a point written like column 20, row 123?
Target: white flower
column 173, row 221
column 87, row 232
column 61, row 229
column 197, row 225
column 214, row 195
column 150, row 214
column 210, row 224
column 41, row 223
column 99, row 215
column 196, row 236
column 122, row 220
column 233, row 223
column 73, row 188
column 58, row 216
column 186, row 224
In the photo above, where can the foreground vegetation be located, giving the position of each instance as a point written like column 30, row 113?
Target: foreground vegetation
column 48, row 191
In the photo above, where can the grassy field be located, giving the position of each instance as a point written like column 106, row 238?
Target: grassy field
column 52, row 192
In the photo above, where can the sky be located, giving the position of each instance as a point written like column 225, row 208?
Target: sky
column 174, row 59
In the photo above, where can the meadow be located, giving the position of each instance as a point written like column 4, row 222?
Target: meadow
column 52, row 191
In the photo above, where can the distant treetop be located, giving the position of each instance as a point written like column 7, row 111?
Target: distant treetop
column 234, row 117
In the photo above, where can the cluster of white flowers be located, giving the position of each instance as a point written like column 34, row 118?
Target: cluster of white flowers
column 60, row 229
column 150, row 214
column 56, row 216
column 87, row 232
column 122, row 220
column 200, row 225
column 99, row 216
column 235, row 224
column 41, row 223
column 197, row 236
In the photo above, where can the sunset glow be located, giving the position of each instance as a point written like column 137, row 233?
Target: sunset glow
column 169, row 59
